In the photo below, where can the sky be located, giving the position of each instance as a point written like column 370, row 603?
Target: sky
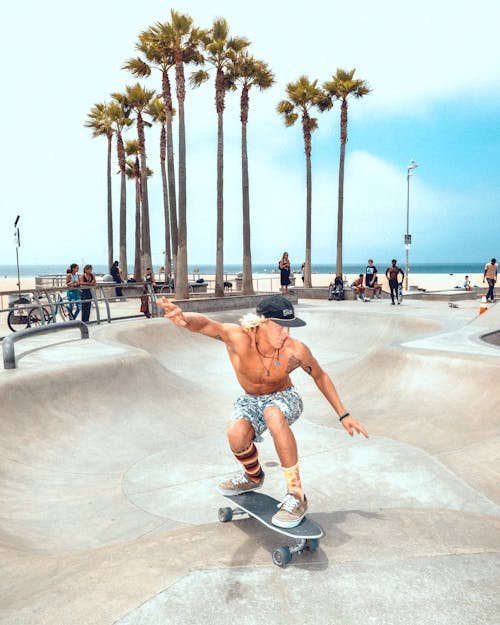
column 435, row 78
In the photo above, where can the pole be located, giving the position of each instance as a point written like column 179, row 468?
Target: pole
column 411, row 166
column 407, row 245
column 18, row 243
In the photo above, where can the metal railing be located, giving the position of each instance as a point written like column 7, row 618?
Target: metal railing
column 9, row 354
column 48, row 302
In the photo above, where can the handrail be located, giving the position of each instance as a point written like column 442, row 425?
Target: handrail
column 9, row 356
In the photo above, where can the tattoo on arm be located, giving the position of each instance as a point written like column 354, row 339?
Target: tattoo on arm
column 307, row 368
column 294, row 363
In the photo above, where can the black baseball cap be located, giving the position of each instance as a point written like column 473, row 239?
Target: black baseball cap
column 280, row 310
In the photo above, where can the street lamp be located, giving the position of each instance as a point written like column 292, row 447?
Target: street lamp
column 17, row 242
column 411, row 166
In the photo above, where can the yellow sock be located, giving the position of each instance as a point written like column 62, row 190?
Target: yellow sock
column 293, row 483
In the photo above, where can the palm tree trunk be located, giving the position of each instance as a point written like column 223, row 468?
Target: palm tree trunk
column 168, row 250
column 307, row 268
column 306, row 128
column 340, row 203
column 146, row 236
column 167, row 98
column 247, row 278
column 219, row 255
column 110, row 205
column 138, row 275
column 123, row 204
column 181, row 280
column 123, row 225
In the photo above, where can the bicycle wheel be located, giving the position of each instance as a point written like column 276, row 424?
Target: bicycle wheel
column 18, row 319
column 62, row 310
column 35, row 316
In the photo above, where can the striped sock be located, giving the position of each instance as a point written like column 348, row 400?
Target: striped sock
column 249, row 458
column 293, row 482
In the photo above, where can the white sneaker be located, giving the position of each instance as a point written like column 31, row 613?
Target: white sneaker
column 239, row 484
column 291, row 511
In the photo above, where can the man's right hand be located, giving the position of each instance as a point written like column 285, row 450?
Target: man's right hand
column 172, row 312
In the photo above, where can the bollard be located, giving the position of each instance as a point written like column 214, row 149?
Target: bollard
column 483, row 307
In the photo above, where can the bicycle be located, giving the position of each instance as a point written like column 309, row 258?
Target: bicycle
column 27, row 315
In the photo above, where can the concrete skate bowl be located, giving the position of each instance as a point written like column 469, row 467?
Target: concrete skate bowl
column 493, row 338
column 108, row 467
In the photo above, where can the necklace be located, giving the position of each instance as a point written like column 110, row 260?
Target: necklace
column 275, row 355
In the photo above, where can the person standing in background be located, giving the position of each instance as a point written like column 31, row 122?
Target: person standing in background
column 116, row 274
column 284, row 266
column 73, row 290
column 371, row 278
column 87, row 280
column 391, row 273
column 490, row 274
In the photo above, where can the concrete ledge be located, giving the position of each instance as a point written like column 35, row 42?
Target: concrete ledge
column 230, row 302
column 445, row 296
column 320, row 292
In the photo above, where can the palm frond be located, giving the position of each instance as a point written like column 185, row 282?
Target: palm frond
column 198, row 78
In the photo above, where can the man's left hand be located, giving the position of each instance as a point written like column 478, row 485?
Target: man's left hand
column 351, row 425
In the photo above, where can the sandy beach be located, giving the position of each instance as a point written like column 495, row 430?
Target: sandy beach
column 270, row 282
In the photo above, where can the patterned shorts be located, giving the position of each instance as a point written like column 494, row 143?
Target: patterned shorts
column 251, row 408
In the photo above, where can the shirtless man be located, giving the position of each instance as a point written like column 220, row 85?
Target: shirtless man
column 263, row 355
column 391, row 273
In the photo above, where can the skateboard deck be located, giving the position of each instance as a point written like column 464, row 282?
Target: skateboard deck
column 263, row 507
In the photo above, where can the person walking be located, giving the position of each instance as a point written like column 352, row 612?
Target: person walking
column 490, row 274
column 263, row 354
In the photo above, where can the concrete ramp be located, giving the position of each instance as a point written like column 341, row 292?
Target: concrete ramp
column 111, row 448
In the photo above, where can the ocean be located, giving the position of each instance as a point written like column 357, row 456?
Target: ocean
column 10, row 271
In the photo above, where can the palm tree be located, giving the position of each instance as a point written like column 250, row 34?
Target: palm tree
column 185, row 43
column 248, row 72
column 119, row 117
column 156, row 110
column 221, row 51
column 99, row 121
column 303, row 95
column 138, row 98
column 133, row 172
column 154, row 45
column 341, row 87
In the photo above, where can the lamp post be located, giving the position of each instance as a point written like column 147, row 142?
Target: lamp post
column 17, row 242
column 411, row 166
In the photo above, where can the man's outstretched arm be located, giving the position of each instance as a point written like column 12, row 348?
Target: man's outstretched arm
column 195, row 322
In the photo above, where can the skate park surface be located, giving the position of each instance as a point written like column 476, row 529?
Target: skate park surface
column 111, row 449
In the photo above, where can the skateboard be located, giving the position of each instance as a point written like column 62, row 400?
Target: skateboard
column 263, row 507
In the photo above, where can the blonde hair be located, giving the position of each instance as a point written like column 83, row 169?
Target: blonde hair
column 251, row 321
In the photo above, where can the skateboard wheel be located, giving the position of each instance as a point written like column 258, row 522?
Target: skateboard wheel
column 282, row 556
column 225, row 515
column 312, row 544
